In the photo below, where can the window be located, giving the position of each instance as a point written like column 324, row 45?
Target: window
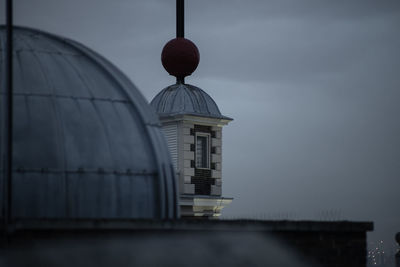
column 202, row 150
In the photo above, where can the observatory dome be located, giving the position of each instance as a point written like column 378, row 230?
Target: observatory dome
column 185, row 99
column 86, row 144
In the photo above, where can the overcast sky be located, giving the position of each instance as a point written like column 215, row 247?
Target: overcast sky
column 313, row 86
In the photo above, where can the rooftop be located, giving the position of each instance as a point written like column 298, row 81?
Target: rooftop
column 186, row 99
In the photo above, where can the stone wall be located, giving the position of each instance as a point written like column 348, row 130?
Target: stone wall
column 186, row 243
column 331, row 249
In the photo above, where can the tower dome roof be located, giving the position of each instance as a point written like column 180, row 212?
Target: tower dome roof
column 86, row 142
column 185, row 99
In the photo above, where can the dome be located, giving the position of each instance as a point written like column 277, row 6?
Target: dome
column 185, row 99
column 86, row 143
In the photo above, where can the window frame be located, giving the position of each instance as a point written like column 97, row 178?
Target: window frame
column 208, row 135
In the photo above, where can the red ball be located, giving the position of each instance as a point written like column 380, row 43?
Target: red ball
column 180, row 57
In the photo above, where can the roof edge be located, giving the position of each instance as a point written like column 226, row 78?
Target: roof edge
column 196, row 119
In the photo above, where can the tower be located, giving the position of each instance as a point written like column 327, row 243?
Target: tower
column 192, row 124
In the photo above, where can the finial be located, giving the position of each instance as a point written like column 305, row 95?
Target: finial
column 180, row 57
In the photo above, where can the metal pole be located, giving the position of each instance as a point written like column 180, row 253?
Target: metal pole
column 180, row 27
column 180, row 18
column 8, row 129
column 397, row 256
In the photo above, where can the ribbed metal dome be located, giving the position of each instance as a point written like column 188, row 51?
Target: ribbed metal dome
column 86, row 142
column 185, row 99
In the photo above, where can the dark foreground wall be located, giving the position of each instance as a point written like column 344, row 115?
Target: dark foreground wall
column 185, row 243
